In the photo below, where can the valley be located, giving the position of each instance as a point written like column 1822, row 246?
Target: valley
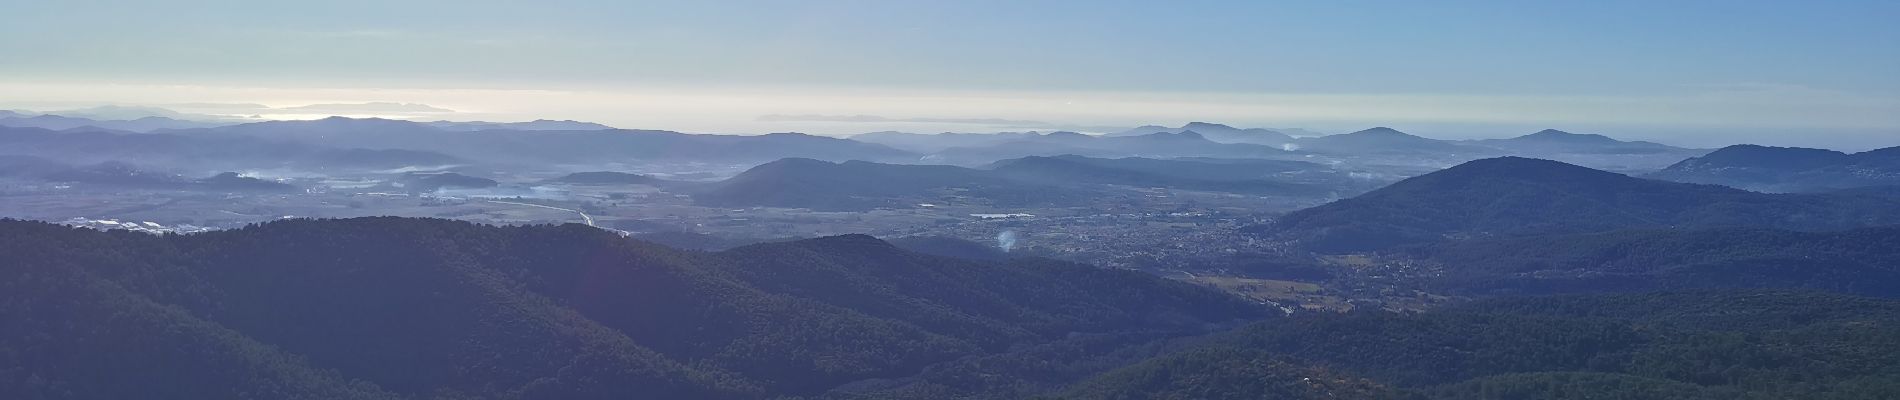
column 1239, row 224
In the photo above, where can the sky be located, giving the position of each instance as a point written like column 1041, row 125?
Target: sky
column 1705, row 73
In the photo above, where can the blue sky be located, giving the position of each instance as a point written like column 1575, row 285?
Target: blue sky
column 1454, row 68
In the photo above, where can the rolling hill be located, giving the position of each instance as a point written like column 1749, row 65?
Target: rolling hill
column 1030, row 181
column 1592, row 150
column 1218, row 133
column 1862, row 261
column 1383, row 140
column 400, row 308
column 858, row 185
column 1788, row 169
column 1239, row 176
column 395, row 308
column 1517, row 196
column 1552, row 141
column 1676, row 345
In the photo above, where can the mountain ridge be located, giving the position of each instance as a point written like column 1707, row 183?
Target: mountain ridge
column 1788, row 169
column 401, row 307
column 1514, row 195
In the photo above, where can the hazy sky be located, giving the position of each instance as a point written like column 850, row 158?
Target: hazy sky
column 1690, row 72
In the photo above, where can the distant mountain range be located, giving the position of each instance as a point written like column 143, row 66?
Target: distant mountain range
column 1029, row 181
column 1382, row 140
column 1545, row 143
column 1202, row 139
column 387, row 144
column 1552, row 141
column 147, row 119
column 1201, row 168
column 119, row 112
column 1218, row 133
column 203, row 153
column 554, row 146
column 926, row 143
column 145, row 124
column 1788, row 169
column 1267, row 177
column 859, row 185
column 213, row 146
column 544, row 141
column 1516, row 196
column 981, row 148
column 1154, row 145
column 1595, row 151
column 535, row 125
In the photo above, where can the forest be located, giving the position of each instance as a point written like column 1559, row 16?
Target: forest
column 426, row 308
column 403, row 308
column 1730, row 344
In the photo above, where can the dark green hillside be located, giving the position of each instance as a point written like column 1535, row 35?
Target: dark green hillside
column 69, row 333
column 1517, row 196
column 411, row 305
column 1715, row 344
column 1226, row 373
column 950, row 247
column 397, row 308
column 1861, row 261
column 1788, row 169
column 423, row 308
column 996, row 304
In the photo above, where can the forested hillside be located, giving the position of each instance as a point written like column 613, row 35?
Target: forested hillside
column 421, row 308
column 1788, row 169
column 397, row 308
column 1509, row 196
column 1860, row 261
column 1684, row 345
